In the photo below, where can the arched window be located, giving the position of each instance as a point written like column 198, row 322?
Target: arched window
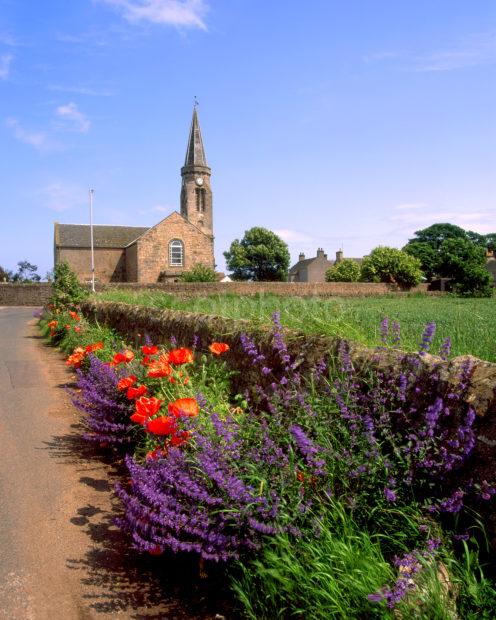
column 176, row 253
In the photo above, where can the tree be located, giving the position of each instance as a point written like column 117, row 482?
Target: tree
column 26, row 272
column 260, row 255
column 346, row 270
column 464, row 261
column 437, row 233
column 427, row 255
column 5, row 275
column 391, row 265
column 491, row 242
column 199, row 273
column 67, row 291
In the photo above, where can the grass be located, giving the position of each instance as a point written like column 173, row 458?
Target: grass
column 468, row 322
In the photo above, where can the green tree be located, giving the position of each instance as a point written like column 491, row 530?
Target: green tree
column 491, row 242
column 427, row 255
column 260, row 255
column 437, row 233
column 67, row 291
column 391, row 265
column 5, row 275
column 26, row 272
column 346, row 270
column 464, row 261
column 199, row 273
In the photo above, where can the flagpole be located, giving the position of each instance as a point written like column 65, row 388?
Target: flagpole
column 92, row 191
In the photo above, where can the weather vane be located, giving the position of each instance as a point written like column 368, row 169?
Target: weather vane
column 195, row 102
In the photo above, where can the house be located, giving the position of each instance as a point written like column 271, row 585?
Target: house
column 314, row 269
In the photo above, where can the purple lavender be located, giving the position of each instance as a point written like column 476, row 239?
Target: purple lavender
column 427, row 338
column 106, row 409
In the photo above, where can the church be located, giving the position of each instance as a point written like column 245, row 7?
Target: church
column 148, row 255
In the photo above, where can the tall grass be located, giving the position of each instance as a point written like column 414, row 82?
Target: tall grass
column 469, row 322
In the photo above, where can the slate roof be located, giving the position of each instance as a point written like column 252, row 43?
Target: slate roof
column 78, row 235
column 195, row 153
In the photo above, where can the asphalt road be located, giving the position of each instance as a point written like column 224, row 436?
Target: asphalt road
column 61, row 557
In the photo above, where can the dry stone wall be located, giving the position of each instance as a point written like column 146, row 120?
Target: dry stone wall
column 296, row 289
column 13, row 294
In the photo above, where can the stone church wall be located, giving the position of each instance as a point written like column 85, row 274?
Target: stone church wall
column 153, row 250
column 110, row 263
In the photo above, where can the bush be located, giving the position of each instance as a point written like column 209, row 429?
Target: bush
column 391, row 265
column 67, row 291
column 347, row 270
column 199, row 273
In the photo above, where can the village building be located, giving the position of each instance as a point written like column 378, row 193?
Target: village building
column 314, row 269
column 148, row 255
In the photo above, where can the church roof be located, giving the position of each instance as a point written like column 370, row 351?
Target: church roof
column 78, row 235
column 195, row 154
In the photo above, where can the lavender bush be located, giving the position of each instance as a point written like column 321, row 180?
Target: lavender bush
column 106, row 409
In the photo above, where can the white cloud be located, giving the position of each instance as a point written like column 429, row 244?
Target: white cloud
column 185, row 13
column 293, row 236
column 75, row 119
column 37, row 139
column 5, row 60
column 80, row 90
column 472, row 51
column 62, row 196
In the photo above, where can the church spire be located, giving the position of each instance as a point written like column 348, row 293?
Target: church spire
column 195, row 154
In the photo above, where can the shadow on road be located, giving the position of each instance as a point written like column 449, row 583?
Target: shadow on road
column 116, row 578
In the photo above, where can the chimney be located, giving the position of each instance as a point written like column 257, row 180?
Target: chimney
column 339, row 256
column 320, row 253
column 301, row 256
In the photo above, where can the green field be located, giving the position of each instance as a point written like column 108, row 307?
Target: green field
column 470, row 323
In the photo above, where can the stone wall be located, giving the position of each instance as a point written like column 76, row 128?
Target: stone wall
column 153, row 249
column 298, row 289
column 110, row 263
column 13, row 294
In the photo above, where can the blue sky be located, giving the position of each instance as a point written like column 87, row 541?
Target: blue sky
column 334, row 123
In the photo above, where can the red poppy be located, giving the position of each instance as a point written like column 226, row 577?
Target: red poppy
column 148, row 406
column 77, row 328
column 74, row 315
column 164, row 425
column 136, row 392
column 184, row 407
column 159, row 368
column 67, row 326
column 180, row 356
column 179, row 438
column 152, row 350
column 126, row 382
column 219, row 347
column 94, row 347
column 52, row 324
column 139, row 418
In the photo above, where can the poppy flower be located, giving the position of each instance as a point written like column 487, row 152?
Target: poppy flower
column 164, row 425
column 179, row 438
column 123, row 358
column 90, row 348
column 126, row 382
column 180, row 356
column 148, row 406
column 67, row 326
column 52, row 324
column 136, row 392
column 74, row 315
column 139, row 418
column 187, row 407
column 159, row 368
column 77, row 328
column 152, row 350
column 219, row 347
